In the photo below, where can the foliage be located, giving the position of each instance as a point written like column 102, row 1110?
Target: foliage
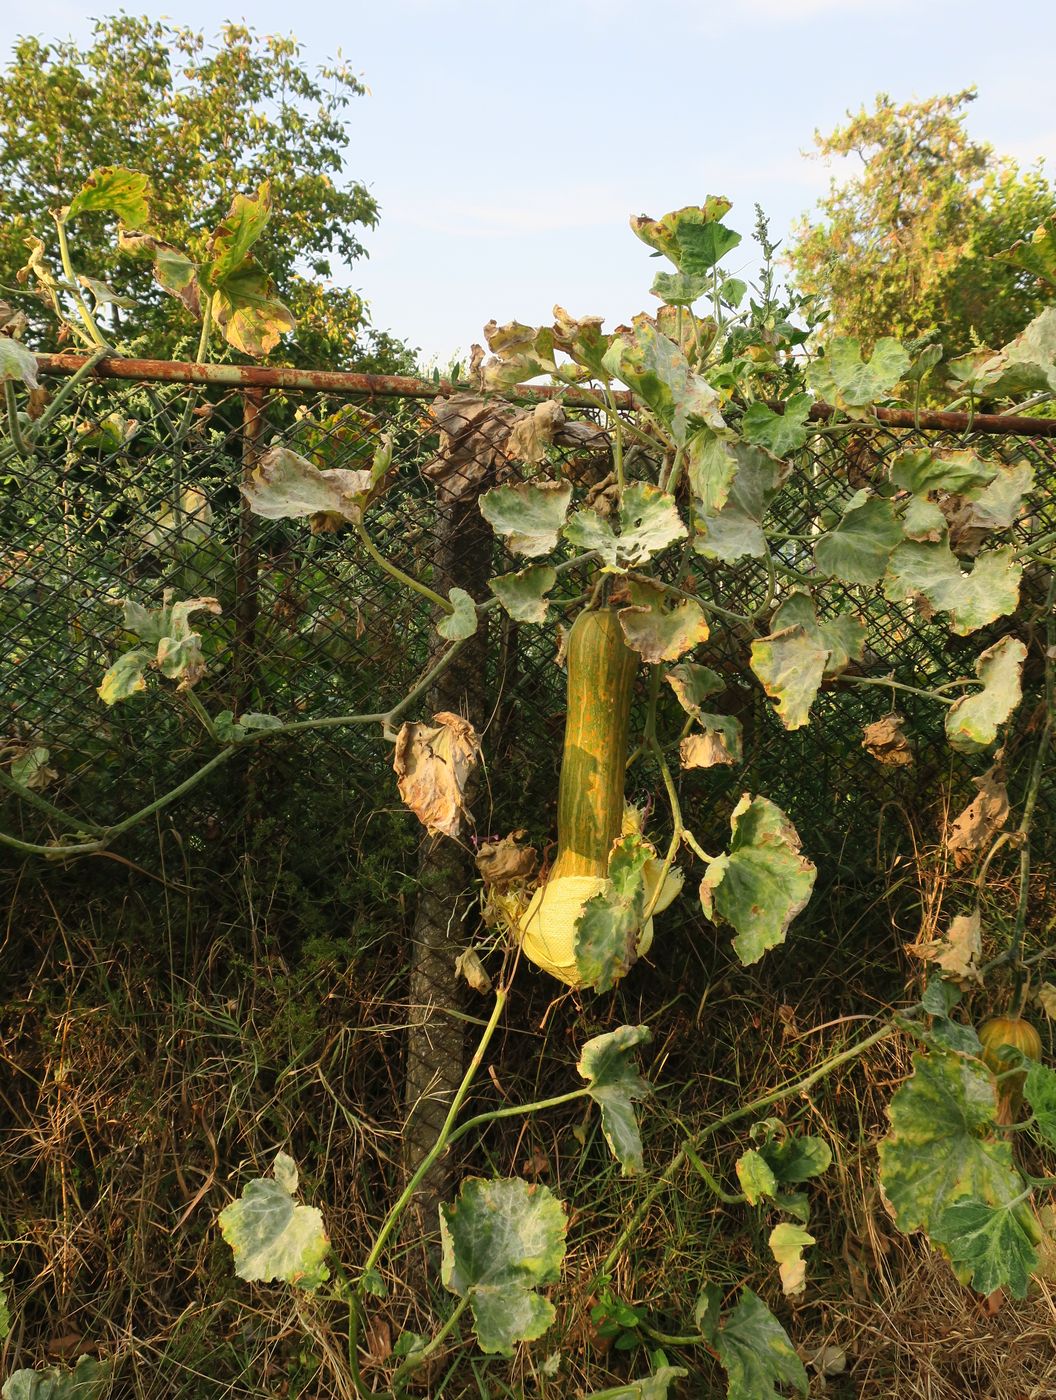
column 905, row 245
column 205, row 119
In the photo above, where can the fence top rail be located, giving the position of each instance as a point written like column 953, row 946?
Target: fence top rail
column 404, row 386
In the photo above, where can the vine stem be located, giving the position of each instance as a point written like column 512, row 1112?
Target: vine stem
column 898, row 685
column 14, row 427
column 397, row 573
column 416, row 1358
column 694, row 1141
column 82, row 306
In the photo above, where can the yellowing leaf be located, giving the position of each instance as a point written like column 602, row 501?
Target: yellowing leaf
column 528, row 515
column 286, row 486
column 660, row 626
column 973, row 831
column 790, row 666
column 972, row 721
column 959, row 952
column 274, row 1238
column 787, row 1243
column 114, row 190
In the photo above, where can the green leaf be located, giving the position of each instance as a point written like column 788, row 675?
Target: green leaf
column 736, row 531
column 1036, row 254
column 756, row 1353
column 841, row 637
column 679, row 288
column 922, row 520
column 606, row 943
column 87, row 1381
column 857, row 550
column 797, row 1158
column 648, row 519
column 693, row 685
column 732, row 291
column 923, row 471
column 176, row 274
column 125, row 677
column 462, row 621
column 849, row 382
column 662, row 233
column 271, row 1236
column 942, row 1145
column 240, row 228
column 701, row 246
column 779, row 433
column 247, row 311
column 114, row 190
column 523, row 594
column 29, row 768
column 104, row 295
column 654, row 1387
column 607, row 1064
column 756, row 1176
column 711, row 463
column 998, row 505
column 972, row 721
column 286, row 486
column 972, row 600
column 764, row 881
column 787, row 1243
column 991, row 1244
column 502, row 1240
column 660, row 626
column 790, row 665
column 1039, row 1090
column 17, row 364
column 655, row 369
column 529, row 515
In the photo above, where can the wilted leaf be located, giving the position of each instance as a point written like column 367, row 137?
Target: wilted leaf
column 17, row 364
column 88, row 1380
column 736, row 531
column 923, row 470
column 991, row 1244
column 659, row 626
column 533, row 433
column 237, row 232
column 923, row 521
column 856, row 550
column 114, row 190
column 606, row 944
column 461, row 621
column 125, row 677
column 30, row 768
column 523, row 594
column 654, row 1387
column 469, row 966
column 648, row 521
column 657, row 371
column 719, row 743
column 886, row 741
column 847, row 381
column 790, row 667
column 519, row 352
column 787, row 1243
column 286, row 486
column 103, row 294
column 693, row 685
column 932, row 572
column 502, row 862
column 1027, row 365
column 1046, row 995
column 842, row 637
column 959, row 952
column 248, row 312
column 756, row 1176
column 607, row 1064
column 972, row 721
column 779, row 433
column 972, row 517
column 528, row 515
column 942, row 1145
column 433, row 764
column 501, row 1241
column 764, row 881
column 271, row 1236
column 973, row 831
column 663, row 234
column 756, row 1353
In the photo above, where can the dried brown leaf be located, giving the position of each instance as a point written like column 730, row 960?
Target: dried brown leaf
column 1046, row 998
column 433, row 764
column 958, row 953
column 503, row 862
column 886, row 742
column 704, row 750
column 972, row 833
column 469, row 966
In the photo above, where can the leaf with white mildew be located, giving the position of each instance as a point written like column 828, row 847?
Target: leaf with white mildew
column 528, row 515
column 972, row 721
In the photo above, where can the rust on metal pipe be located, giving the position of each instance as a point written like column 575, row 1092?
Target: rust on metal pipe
column 403, row 386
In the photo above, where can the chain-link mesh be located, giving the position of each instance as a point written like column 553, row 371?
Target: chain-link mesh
column 136, row 490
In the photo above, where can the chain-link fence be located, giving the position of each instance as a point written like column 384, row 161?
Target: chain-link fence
column 135, row 490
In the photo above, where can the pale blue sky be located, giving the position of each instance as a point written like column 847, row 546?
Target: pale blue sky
column 508, row 144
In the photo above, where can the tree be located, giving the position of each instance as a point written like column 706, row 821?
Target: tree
column 904, row 246
column 204, row 121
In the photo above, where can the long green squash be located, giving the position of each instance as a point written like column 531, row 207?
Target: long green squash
column 601, row 669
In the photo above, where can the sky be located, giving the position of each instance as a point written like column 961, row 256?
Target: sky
column 507, row 145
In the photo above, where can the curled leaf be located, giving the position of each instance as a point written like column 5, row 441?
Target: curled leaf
column 972, row 721
column 503, row 862
column 972, row 832
column 433, row 765
column 887, row 742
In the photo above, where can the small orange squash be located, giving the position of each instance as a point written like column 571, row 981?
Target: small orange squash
column 994, row 1036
